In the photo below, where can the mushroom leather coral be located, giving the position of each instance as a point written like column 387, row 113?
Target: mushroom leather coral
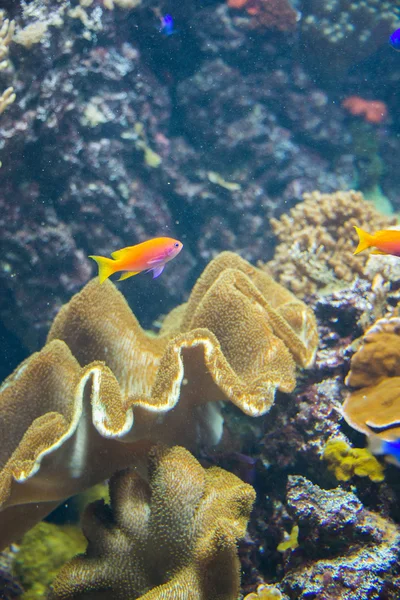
column 101, row 379
column 172, row 538
column 375, row 371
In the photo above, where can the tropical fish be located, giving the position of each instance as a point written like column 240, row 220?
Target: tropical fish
column 387, row 241
column 147, row 256
column 390, row 449
column 167, row 25
column 394, row 40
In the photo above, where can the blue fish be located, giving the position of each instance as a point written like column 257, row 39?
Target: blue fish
column 394, row 40
column 390, row 449
column 167, row 25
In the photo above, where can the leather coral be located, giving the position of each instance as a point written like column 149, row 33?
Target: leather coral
column 374, row 405
column 172, row 537
column 101, row 380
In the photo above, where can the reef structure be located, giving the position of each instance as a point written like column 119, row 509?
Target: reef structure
column 173, row 536
column 317, row 242
column 373, row 406
column 101, row 387
column 345, row 551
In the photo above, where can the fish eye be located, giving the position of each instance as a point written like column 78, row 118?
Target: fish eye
column 177, row 245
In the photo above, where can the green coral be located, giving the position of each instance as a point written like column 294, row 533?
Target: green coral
column 291, row 541
column 44, row 549
column 346, row 461
column 96, row 492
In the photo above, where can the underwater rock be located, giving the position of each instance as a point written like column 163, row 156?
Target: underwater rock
column 174, row 536
column 337, row 35
column 344, row 550
column 75, row 151
column 276, row 170
column 238, row 339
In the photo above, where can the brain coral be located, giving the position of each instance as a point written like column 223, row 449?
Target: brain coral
column 317, row 241
column 172, row 538
column 375, row 373
column 101, row 379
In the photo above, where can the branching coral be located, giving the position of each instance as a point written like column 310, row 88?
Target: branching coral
column 101, row 379
column 346, row 461
column 7, row 28
column 174, row 537
column 375, row 371
column 317, row 241
column 6, row 33
column 7, row 98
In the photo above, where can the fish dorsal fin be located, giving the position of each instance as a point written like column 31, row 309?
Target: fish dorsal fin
column 378, row 252
column 128, row 274
column 118, row 254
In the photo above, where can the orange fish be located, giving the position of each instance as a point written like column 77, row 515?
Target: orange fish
column 387, row 241
column 147, row 256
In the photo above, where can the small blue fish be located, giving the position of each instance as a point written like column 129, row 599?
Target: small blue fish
column 167, row 25
column 394, row 40
column 390, row 449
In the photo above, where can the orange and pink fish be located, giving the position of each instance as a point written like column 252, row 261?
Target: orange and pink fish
column 147, row 256
column 386, row 241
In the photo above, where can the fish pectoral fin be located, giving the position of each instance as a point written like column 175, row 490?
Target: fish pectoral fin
column 157, row 271
column 378, row 252
column 118, row 254
column 128, row 274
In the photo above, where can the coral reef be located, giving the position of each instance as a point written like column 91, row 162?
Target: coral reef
column 374, row 406
column 173, row 537
column 345, row 550
column 317, row 241
column 346, row 461
column 292, row 441
column 238, row 338
column 43, row 551
column 101, row 166
column 85, row 178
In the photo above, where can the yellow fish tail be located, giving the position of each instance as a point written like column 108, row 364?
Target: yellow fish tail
column 366, row 240
column 106, row 267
